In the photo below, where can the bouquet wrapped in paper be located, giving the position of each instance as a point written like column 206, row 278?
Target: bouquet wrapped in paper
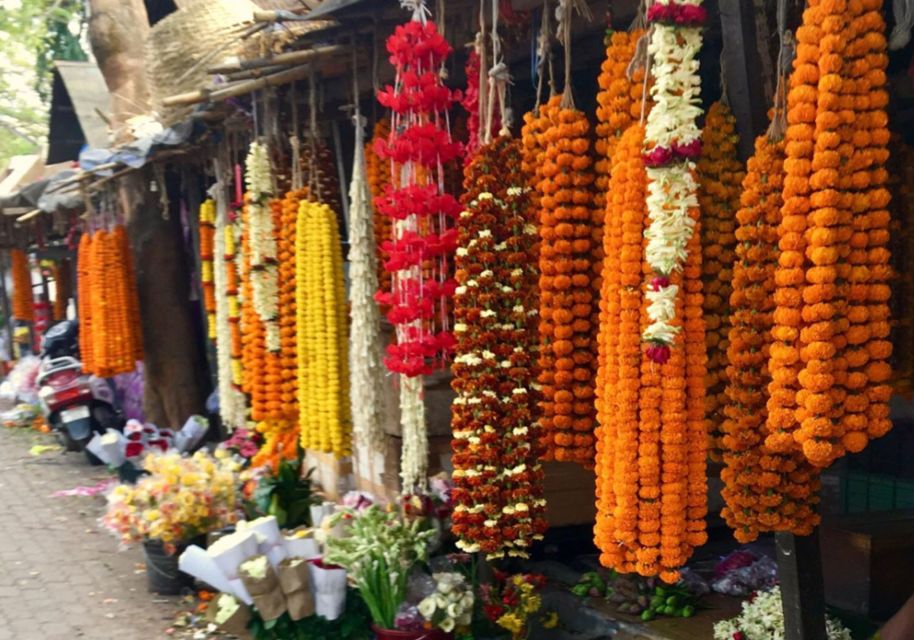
column 300, row 543
column 270, row 541
column 295, row 581
column 230, row 615
column 329, row 585
column 110, row 448
column 262, row 582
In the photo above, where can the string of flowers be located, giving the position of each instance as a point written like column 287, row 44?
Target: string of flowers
column 366, row 369
column 262, row 240
column 497, row 475
column 325, row 422
column 672, row 143
column 652, row 493
column 84, row 300
column 379, row 172
column 720, row 176
column 421, row 145
column 232, row 403
column 23, row 302
column 288, row 316
column 233, row 300
column 207, row 218
column 763, row 490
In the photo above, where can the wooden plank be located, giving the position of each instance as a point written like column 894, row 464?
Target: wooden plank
column 802, row 586
column 742, row 72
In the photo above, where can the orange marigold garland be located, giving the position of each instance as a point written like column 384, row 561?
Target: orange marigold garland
column 378, row 179
column 763, row 490
column 497, row 474
column 84, row 301
column 287, row 315
column 23, row 301
column 720, row 174
column 567, row 287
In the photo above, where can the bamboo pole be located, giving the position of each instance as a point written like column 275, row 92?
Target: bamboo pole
column 288, row 58
column 239, row 89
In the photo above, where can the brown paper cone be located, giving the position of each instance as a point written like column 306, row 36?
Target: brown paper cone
column 270, row 605
column 300, row 604
column 236, row 625
column 260, row 586
column 294, row 577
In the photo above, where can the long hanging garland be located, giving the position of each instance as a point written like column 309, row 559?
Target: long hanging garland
column 421, row 145
column 325, row 422
column 497, row 475
column 379, row 175
column 829, row 363
column 366, row 369
column 207, row 277
column 262, row 241
column 23, row 302
column 720, row 176
column 672, row 142
column 288, row 315
column 84, row 301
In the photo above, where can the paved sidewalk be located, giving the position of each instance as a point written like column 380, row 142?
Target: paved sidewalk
column 61, row 577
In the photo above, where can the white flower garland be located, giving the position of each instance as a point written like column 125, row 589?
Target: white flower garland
column 231, row 400
column 672, row 188
column 414, row 456
column 264, row 280
column 365, row 368
column 762, row 618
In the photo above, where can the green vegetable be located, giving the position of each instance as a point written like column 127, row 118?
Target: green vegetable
column 580, row 590
column 673, row 601
column 647, row 615
column 688, row 611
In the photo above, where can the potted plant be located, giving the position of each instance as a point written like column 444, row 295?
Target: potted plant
column 180, row 500
column 379, row 550
column 288, row 495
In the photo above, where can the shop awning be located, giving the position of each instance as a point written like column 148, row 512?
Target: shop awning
column 79, row 98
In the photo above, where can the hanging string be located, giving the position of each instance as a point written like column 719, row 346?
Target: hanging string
column 724, row 97
column 295, row 141
column 563, row 17
column 483, row 106
column 314, row 185
column 441, row 21
column 499, row 78
column 421, row 13
column 544, row 56
column 778, row 127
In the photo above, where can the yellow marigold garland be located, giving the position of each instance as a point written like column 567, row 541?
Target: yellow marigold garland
column 323, row 366
column 720, row 174
column 207, row 232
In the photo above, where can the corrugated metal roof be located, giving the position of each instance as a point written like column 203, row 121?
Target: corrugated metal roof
column 89, row 94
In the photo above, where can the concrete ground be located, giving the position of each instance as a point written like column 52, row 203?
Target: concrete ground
column 61, row 576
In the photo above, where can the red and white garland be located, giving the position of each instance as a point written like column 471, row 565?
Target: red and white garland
column 420, row 145
column 672, row 142
column 264, row 280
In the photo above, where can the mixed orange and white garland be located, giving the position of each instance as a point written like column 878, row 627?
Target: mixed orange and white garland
column 262, row 240
column 207, row 232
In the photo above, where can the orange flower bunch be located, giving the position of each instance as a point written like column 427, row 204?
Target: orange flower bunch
column 278, row 445
column 763, row 490
column 618, row 103
column 287, row 316
column 112, row 341
column 833, row 346
column 651, row 483
column 567, row 287
column 23, row 301
column 207, row 233
column 378, row 180
column 63, row 289
column 720, row 175
column 84, row 300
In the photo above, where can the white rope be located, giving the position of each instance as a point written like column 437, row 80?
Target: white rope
column 904, row 22
column 421, row 13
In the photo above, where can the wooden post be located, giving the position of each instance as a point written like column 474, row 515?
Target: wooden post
column 742, row 72
column 802, row 586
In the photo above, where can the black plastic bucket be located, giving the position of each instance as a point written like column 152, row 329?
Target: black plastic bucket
column 162, row 574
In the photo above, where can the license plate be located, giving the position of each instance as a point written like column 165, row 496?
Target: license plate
column 74, row 414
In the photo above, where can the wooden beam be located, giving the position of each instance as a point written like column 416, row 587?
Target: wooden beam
column 239, row 89
column 288, row 58
column 742, row 72
column 802, row 586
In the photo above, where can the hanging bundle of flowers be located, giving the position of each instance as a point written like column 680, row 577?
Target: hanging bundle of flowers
column 288, row 318
column 325, row 422
column 366, row 368
column 419, row 253
column 763, row 490
column 261, row 235
column 829, row 363
column 651, row 484
column 720, row 176
column 207, row 232
column 23, row 302
column 497, row 475
column 232, row 293
column 672, row 143
column 84, row 300
column 232, row 403
column 379, row 172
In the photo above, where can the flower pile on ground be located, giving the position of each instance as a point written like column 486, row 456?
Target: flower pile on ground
column 762, row 618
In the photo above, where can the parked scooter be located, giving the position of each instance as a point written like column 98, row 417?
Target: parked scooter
column 75, row 405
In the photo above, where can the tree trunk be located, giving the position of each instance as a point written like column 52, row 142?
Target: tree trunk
column 174, row 360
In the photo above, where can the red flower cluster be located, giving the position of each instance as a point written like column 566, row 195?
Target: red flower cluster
column 421, row 243
column 662, row 156
column 684, row 15
column 497, row 476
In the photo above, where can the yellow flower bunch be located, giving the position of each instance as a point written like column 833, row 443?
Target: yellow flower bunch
column 323, row 358
column 180, row 499
column 207, row 247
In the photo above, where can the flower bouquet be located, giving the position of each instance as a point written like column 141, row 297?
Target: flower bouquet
column 511, row 600
column 378, row 552
column 762, row 618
